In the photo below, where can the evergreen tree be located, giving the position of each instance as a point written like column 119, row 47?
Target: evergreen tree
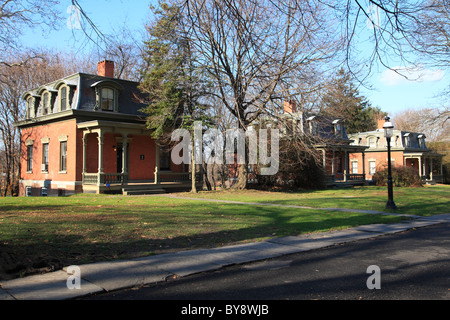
column 172, row 83
column 343, row 101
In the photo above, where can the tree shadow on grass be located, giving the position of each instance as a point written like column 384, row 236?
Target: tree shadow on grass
column 44, row 252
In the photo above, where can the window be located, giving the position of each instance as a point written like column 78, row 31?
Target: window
column 313, row 128
column 164, row 163
column 63, row 156
column 354, row 167
column 407, row 140
column 63, row 98
column 372, row 167
column 339, row 165
column 45, row 103
column 421, row 141
column 44, row 157
column 29, row 158
column 30, row 107
column 372, row 143
column 107, row 99
column 338, row 130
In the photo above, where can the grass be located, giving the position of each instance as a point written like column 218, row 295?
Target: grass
column 80, row 229
column 424, row 201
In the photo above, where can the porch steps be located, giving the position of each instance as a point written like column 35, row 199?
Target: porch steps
column 141, row 191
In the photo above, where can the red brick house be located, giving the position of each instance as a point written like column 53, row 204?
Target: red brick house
column 334, row 144
column 85, row 133
column 407, row 149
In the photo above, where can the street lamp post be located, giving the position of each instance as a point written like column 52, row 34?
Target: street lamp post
column 388, row 133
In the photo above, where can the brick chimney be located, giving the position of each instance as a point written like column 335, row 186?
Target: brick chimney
column 290, row 107
column 105, row 68
column 381, row 123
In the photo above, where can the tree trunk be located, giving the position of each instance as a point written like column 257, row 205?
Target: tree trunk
column 242, row 180
column 205, row 176
column 193, row 166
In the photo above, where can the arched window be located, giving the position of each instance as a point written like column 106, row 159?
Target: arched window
column 30, row 107
column 63, row 98
column 45, row 103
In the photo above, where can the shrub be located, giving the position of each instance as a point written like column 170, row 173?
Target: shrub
column 295, row 171
column 401, row 177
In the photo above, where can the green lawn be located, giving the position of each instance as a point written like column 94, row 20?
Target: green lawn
column 35, row 232
column 425, row 201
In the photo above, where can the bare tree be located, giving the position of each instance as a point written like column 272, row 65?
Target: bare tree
column 256, row 50
column 17, row 75
column 426, row 120
column 409, row 29
column 15, row 16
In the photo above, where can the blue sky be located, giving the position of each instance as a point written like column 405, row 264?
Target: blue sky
column 391, row 93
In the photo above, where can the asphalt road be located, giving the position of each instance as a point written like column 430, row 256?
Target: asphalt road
column 413, row 265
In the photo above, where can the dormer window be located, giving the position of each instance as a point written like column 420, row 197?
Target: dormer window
column 313, row 128
column 421, row 138
column 407, row 140
column 30, row 107
column 63, row 98
column 337, row 128
column 107, row 93
column 107, row 99
column 45, row 103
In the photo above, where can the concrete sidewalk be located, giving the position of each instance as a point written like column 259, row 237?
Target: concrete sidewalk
column 109, row 276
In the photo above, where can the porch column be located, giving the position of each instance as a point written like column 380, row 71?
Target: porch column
column 332, row 165
column 100, row 156
column 345, row 165
column 84, row 153
column 124, row 158
column 364, row 164
column 157, row 163
column 424, row 168
column 431, row 168
column 324, row 160
column 420, row 167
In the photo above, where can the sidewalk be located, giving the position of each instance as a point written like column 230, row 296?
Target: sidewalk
column 109, row 276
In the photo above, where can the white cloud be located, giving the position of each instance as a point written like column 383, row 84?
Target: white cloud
column 402, row 75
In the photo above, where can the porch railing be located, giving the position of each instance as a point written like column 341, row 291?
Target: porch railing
column 177, row 176
column 90, row 178
column 435, row 177
column 119, row 178
column 104, row 178
column 349, row 178
column 356, row 177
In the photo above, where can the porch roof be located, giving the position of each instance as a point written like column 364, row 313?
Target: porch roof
column 341, row 147
column 113, row 126
column 422, row 154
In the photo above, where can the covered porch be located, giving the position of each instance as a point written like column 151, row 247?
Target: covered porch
column 428, row 165
column 123, row 158
column 336, row 165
